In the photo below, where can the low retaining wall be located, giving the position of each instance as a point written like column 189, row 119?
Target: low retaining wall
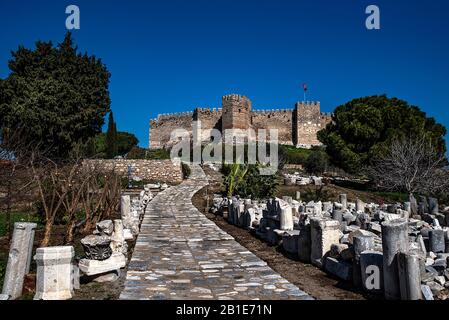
column 155, row 170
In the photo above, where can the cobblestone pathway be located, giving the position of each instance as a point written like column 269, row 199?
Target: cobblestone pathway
column 180, row 254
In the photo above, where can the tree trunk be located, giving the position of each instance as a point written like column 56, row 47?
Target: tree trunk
column 70, row 231
column 87, row 225
column 47, row 233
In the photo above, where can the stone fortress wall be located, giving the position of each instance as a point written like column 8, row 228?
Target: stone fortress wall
column 298, row 126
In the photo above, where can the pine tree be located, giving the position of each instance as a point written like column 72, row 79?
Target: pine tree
column 111, row 138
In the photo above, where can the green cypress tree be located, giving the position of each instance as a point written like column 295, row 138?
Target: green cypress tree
column 111, row 138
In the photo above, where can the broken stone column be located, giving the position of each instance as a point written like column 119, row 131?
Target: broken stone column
column 409, row 276
column 361, row 243
column 394, row 240
column 231, row 209
column 425, row 204
column 125, row 210
column 75, row 277
column 421, row 244
column 337, row 215
column 286, row 217
column 235, row 211
column 324, row 233
column 135, row 222
column 19, row 258
column 413, row 205
column 304, row 243
column 359, row 205
column 407, row 207
column 371, row 268
column 298, row 195
column 240, row 215
column 436, row 241
column 343, row 200
column 249, row 218
column 118, row 243
column 54, row 280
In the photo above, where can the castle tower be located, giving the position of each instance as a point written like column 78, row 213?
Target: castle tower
column 236, row 112
column 306, row 123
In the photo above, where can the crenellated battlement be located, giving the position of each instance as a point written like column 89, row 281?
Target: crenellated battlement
column 307, row 104
column 173, row 115
column 262, row 111
column 208, row 110
column 234, row 98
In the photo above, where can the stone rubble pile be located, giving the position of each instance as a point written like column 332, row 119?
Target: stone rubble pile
column 400, row 250
column 297, row 179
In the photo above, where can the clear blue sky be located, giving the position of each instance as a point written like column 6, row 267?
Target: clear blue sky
column 171, row 56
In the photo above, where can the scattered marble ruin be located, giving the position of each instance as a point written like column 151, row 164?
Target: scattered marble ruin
column 57, row 275
column 106, row 249
column 399, row 249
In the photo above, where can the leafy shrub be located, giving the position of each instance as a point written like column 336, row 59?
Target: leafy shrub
column 293, row 155
column 246, row 181
column 316, row 162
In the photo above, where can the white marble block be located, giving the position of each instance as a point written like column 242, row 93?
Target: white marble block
column 286, row 216
column 324, row 233
column 93, row 267
column 54, row 279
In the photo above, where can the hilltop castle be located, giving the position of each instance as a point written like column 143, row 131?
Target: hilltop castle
column 298, row 126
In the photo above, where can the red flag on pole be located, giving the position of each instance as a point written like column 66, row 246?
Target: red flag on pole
column 304, row 86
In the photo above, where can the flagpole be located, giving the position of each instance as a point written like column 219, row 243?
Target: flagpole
column 304, row 87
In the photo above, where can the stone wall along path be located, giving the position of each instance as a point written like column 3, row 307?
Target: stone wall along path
column 180, row 254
